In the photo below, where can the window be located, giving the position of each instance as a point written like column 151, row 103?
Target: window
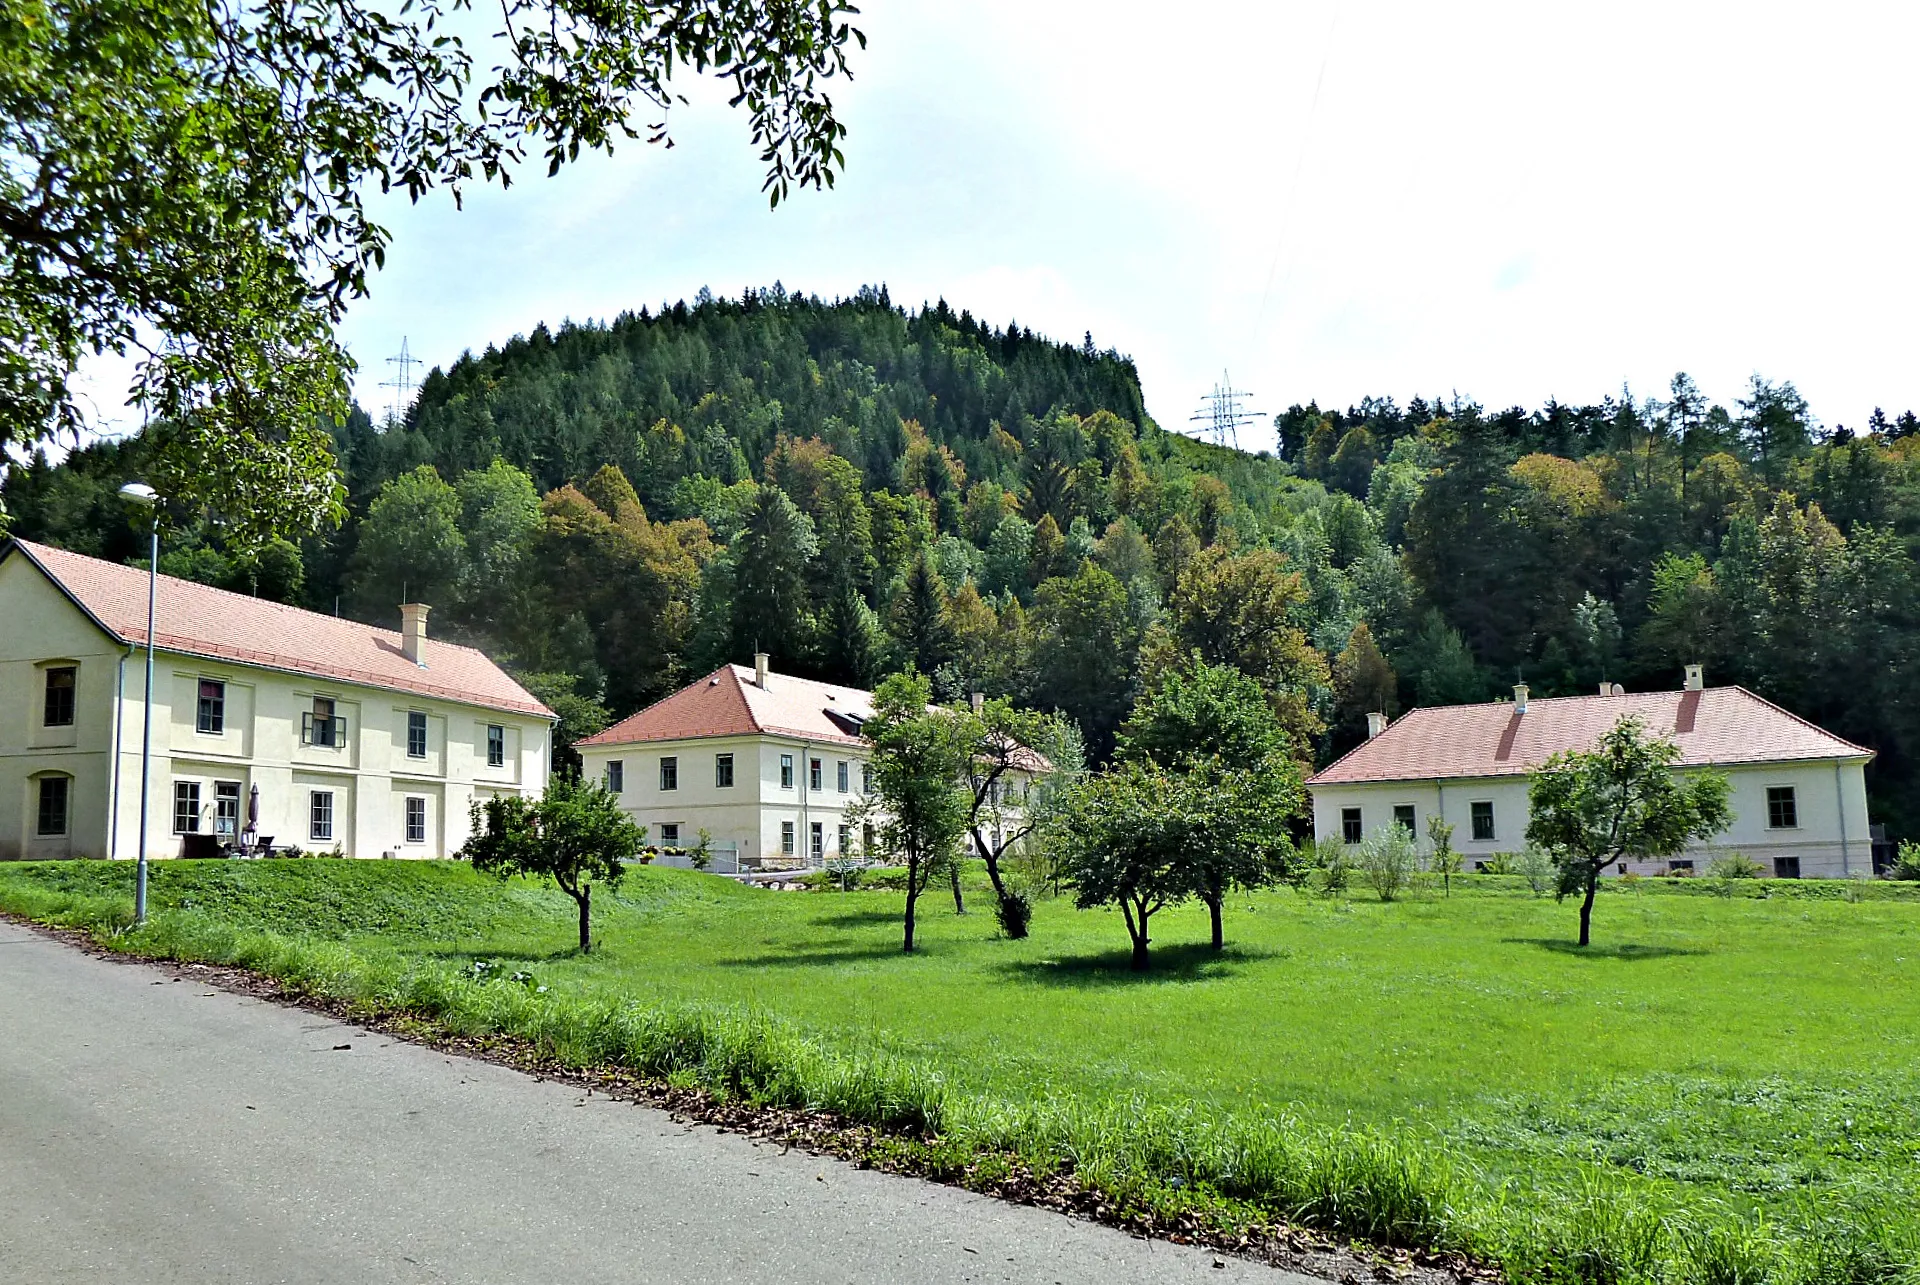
column 1482, row 820
column 669, row 773
column 416, row 734
column 416, row 819
column 846, row 840
column 866, row 778
column 496, row 745
column 186, row 807
column 866, row 837
column 670, row 836
column 813, row 774
column 213, row 707
column 53, row 806
column 723, row 771
column 786, row 837
column 1403, row 816
column 58, row 711
column 1786, row 867
column 841, row 774
column 226, row 809
column 321, row 727
column 818, row 840
column 320, row 814
column 1783, row 813
column 1351, row 828
column 616, row 776
column 786, row 772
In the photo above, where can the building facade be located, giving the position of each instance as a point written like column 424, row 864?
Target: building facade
column 771, row 767
column 1799, row 797
column 317, row 732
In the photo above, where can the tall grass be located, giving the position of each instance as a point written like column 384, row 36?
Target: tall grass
column 1235, row 1170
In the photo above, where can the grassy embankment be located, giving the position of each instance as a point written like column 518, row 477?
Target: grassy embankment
column 1721, row 1089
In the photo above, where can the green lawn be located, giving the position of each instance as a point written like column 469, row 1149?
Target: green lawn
column 1750, row 1050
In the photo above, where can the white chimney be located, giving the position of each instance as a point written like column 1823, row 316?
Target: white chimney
column 413, row 631
column 979, row 700
column 1519, row 698
column 1606, row 689
column 760, row 670
column 1696, row 677
column 1376, row 724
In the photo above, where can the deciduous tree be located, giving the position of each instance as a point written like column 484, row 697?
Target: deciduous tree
column 574, row 834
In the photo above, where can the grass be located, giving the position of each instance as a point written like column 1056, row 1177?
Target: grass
column 1724, row 1088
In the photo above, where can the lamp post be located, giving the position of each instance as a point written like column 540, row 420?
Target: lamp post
column 141, row 494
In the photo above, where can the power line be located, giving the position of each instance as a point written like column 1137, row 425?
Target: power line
column 403, row 363
column 1224, row 412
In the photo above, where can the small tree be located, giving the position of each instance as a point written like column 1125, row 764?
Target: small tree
column 574, row 834
column 1619, row 801
column 1017, row 761
column 1389, row 859
column 1120, row 838
column 1444, row 862
column 1215, row 725
column 918, row 800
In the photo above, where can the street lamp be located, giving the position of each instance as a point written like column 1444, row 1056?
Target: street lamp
column 145, row 496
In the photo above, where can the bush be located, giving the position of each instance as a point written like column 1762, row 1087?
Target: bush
column 1539, row 871
column 1013, row 912
column 1501, row 863
column 1333, row 867
column 1734, row 866
column 1907, row 864
column 1389, row 859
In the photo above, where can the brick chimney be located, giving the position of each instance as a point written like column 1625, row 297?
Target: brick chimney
column 1376, row 724
column 760, row 670
column 413, row 631
column 1696, row 677
column 1519, row 698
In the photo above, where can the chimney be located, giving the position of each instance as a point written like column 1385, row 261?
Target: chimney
column 979, row 700
column 413, row 631
column 1519, row 698
column 1696, row 677
column 1376, row 724
column 760, row 670
column 1606, row 689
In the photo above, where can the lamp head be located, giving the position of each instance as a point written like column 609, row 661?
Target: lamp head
column 140, row 493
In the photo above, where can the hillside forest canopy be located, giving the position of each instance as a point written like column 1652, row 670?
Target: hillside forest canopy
column 855, row 487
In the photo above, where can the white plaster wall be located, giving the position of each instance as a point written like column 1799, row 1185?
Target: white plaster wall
column 1831, row 799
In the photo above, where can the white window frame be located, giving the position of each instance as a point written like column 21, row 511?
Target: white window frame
column 670, row 840
column 417, row 718
column 1359, row 823
column 214, row 714
column 786, row 771
column 723, row 771
column 616, row 776
column 840, row 775
column 786, row 838
column 187, row 792
column 1792, row 801
column 496, row 745
column 415, row 809
column 1473, row 821
column 320, row 816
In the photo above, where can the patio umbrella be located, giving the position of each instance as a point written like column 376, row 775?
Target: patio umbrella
column 253, row 815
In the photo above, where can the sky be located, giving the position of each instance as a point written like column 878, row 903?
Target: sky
column 1323, row 200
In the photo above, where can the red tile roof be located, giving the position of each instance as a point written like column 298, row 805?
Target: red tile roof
column 726, row 703
column 1720, row 725
column 199, row 620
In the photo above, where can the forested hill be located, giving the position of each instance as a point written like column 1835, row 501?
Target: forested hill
column 853, row 486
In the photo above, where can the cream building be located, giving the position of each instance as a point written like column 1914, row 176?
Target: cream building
column 317, row 732
column 1799, row 793
column 771, row 766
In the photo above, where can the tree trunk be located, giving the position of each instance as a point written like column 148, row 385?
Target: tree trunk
column 913, row 894
column 1586, row 906
column 1137, row 930
column 953, row 877
column 1213, row 909
column 585, row 899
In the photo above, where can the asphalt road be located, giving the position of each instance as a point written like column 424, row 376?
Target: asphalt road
column 155, row 1130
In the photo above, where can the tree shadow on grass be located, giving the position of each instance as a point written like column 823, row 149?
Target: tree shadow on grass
column 858, row 919
column 509, row 956
column 1602, row 950
column 818, row 958
column 1186, row 962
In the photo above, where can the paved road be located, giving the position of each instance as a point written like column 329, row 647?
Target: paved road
column 155, row 1130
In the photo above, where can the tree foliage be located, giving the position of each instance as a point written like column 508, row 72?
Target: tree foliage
column 919, row 802
column 1619, row 801
column 574, row 834
column 192, row 183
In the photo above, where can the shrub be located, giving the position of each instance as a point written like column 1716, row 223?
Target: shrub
column 1502, row 863
column 1334, row 867
column 1014, row 912
column 1538, row 869
column 1727, row 872
column 1907, row 864
column 1389, row 860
